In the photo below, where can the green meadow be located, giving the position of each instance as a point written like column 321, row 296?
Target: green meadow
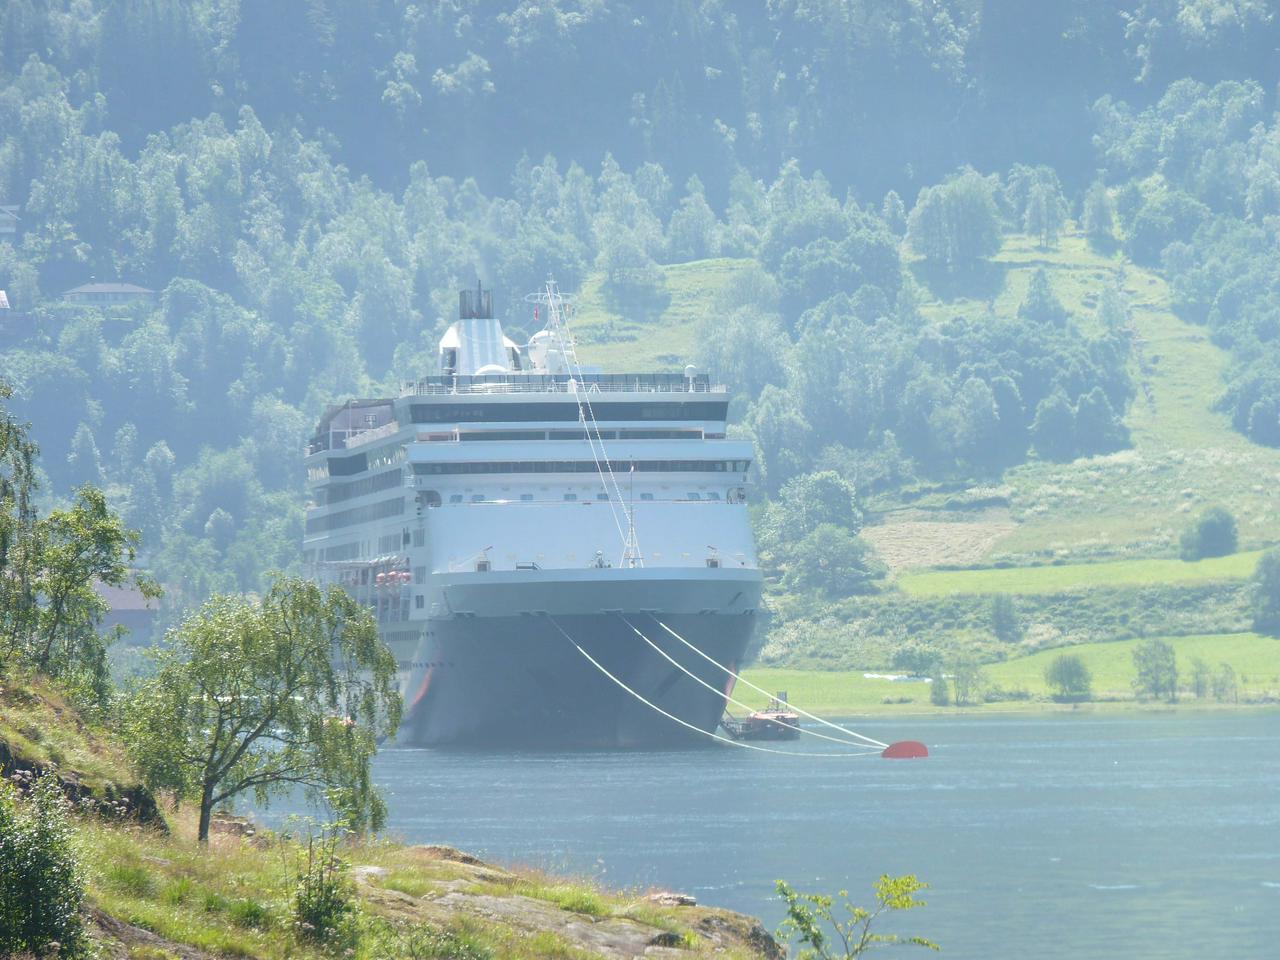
column 1076, row 576
column 1185, row 455
column 663, row 342
column 1255, row 658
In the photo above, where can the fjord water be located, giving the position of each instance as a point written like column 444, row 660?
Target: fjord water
column 1043, row 836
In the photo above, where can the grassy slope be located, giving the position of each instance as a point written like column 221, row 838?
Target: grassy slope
column 665, row 343
column 233, row 900
column 1185, row 455
column 1256, row 660
column 163, row 895
column 39, row 726
column 1074, row 576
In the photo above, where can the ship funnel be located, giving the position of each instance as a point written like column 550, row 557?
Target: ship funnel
column 475, row 345
column 475, row 304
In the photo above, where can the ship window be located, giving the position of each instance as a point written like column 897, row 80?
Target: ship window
column 455, row 498
column 693, row 496
column 419, row 537
column 646, row 496
column 713, row 496
column 571, row 496
column 419, row 601
column 477, row 498
column 526, row 497
column 602, row 496
column 419, row 574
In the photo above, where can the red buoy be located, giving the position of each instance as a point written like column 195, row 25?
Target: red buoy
column 905, row 750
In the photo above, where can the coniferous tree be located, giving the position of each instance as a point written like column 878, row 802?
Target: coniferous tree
column 1097, row 428
column 1041, row 305
column 84, row 461
column 1098, row 216
column 1053, row 431
column 894, row 213
column 1046, row 212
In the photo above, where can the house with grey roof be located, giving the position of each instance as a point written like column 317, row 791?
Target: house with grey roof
column 104, row 294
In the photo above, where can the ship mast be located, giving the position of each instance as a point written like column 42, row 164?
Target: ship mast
column 558, row 305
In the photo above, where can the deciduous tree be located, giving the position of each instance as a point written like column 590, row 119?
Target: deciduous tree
column 1069, row 677
column 1266, row 593
column 1156, row 665
column 78, row 548
column 292, row 691
column 1212, row 534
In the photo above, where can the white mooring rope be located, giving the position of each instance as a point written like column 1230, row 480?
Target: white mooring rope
column 737, row 703
column 740, row 679
column 714, row 736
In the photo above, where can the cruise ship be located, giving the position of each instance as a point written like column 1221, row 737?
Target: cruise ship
column 533, row 537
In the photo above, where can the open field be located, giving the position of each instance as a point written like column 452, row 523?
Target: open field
column 1256, row 660
column 1075, row 576
column 1185, row 455
column 619, row 344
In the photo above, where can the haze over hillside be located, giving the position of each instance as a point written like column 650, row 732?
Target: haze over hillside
column 1006, row 274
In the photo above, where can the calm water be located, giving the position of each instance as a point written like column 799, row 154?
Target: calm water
column 1059, row 836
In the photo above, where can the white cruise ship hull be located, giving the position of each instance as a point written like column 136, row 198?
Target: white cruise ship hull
column 494, row 666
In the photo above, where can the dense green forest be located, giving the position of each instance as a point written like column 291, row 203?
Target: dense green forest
column 305, row 184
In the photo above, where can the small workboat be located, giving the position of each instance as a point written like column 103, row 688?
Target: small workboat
column 777, row 721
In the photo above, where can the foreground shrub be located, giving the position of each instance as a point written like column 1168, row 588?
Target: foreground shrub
column 41, row 880
column 324, row 907
column 827, row 931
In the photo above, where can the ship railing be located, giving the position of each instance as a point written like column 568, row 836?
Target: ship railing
column 346, row 439
column 480, row 386
column 361, row 437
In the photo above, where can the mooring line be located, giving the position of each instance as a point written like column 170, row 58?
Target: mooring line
column 834, row 726
column 737, row 703
column 714, row 736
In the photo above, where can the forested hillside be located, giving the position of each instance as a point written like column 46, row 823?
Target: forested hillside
column 816, row 201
